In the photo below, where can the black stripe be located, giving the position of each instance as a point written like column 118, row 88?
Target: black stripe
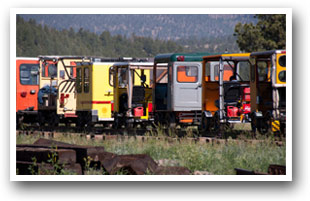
column 61, row 90
column 73, row 86
column 68, row 87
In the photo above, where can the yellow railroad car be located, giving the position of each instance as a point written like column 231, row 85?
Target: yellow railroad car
column 94, row 88
column 132, row 93
column 268, row 91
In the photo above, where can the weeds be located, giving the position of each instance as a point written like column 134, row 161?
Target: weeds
column 217, row 158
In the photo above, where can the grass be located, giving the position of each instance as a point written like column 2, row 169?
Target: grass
column 219, row 159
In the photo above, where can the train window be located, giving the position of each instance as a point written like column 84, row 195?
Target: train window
column 282, row 61
column 262, row 68
column 111, row 76
column 78, row 80
column 29, row 74
column 52, row 70
column 161, row 75
column 122, row 77
column 282, row 76
column 62, row 74
column 86, row 79
column 187, row 73
column 228, row 71
column 207, row 71
column 243, row 70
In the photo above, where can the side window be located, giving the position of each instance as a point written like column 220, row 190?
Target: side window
column 62, row 74
column 228, row 71
column 86, row 80
column 49, row 70
column 187, row 74
column 72, row 69
column 29, row 74
column 122, row 77
column 243, row 70
column 111, row 76
column 78, row 80
column 161, row 75
column 262, row 68
column 207, row 71
column 52, row 70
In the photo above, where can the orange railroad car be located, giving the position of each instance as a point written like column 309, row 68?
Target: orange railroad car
column 27, row 87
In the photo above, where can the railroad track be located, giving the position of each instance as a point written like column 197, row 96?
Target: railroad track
column 139, row 135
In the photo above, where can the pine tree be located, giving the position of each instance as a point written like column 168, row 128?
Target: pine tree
column 269, row 33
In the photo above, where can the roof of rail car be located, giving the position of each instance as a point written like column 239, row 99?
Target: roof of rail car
column 166, row 58
column 139, row 65
column 267, row 53
column 50, row 57
column 27, row 58
column 234, row 56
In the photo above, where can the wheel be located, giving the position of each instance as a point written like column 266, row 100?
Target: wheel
column 157, row 119
column 80, row 123
column 170, row 118
column 41, row 119
column 205, row 125
column 54, row 120
column 165, row 121
column 266, row 124
column 215, row 123
column 19, row 121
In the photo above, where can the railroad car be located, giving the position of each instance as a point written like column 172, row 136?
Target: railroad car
column 268, row 91
column 225, row 90
column 57, row 96
column 133, row 93
column 27, row 87
column 177, row 89
column 95, row 95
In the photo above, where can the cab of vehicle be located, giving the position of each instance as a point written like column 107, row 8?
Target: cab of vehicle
column 268, row 91
column 57, row 96
column 225, row 90
column 27, row 87
column 177, row 88
column 94, row 91
column 132, row 93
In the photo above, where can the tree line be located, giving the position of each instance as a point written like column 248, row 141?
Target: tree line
column 33, row 39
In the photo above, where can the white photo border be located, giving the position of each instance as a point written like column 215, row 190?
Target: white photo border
column 15, row 11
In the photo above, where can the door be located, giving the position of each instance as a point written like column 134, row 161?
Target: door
column 27, row 83
column 186, row 94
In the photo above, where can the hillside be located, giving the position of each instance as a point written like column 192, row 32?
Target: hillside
column 32, row 39
column 167, row 27
column 207, row 33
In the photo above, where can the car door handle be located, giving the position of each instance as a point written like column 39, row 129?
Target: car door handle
column 32, row 91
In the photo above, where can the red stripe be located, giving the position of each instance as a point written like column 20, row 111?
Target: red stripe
column 70, row 115
column 101, row 102
column 96, row 102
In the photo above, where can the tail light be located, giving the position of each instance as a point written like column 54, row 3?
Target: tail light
column 112, row 107
column 180, row 58
column 23, row 94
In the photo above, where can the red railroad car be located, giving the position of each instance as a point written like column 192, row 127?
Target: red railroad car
column 27, row 87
